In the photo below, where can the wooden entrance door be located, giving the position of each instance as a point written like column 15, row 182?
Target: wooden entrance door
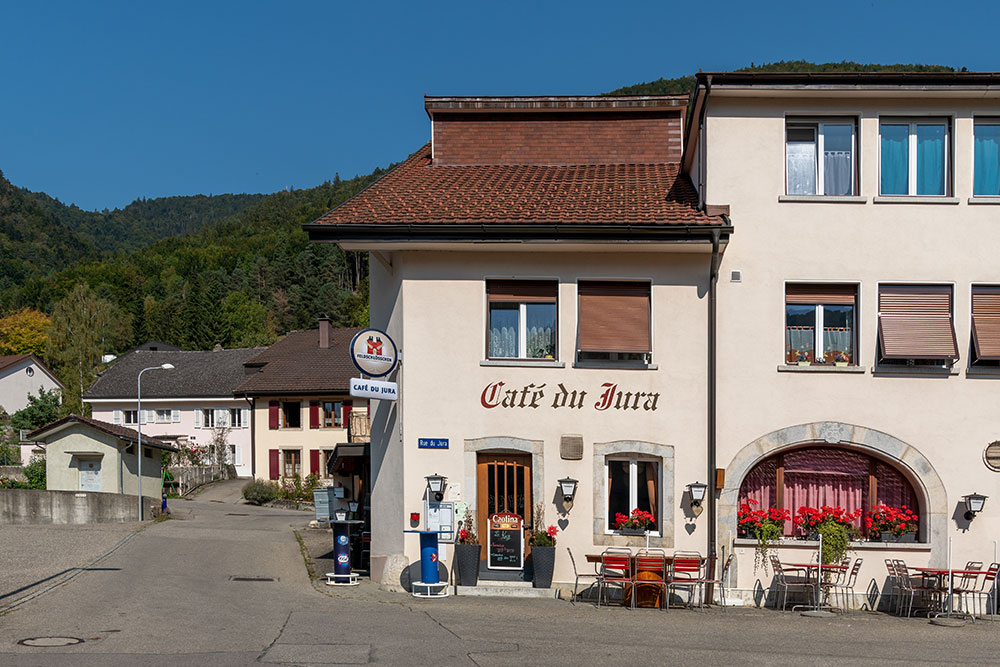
column 503, row 484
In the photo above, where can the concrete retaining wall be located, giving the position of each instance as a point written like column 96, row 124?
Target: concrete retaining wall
column 189, row 478
column 13, row 472
column 30, row 506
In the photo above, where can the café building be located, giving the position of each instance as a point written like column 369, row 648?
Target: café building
column 571, row 301
column 546, row 272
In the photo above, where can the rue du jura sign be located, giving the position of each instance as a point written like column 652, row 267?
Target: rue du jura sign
column 373, row 352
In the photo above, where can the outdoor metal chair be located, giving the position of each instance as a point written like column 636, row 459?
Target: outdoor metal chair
column 650, row 571
column 782, row 581
column 721, row 581
column 967, row 583
column 686, row 572
column 984, row 590
column 892, row 584
column 578, row 575
column 910, row 589
column 846, row 583
column 616, row 570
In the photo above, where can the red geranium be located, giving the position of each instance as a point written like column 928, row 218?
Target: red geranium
column 888, row 519
column 638, row 520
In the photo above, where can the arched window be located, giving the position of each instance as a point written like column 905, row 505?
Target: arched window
column 817, row 476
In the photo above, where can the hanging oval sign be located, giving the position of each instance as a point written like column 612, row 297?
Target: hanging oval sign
column 373, row 352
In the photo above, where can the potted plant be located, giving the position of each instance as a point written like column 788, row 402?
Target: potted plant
column 835, row 524
column 543, row 550
column 892, row 524
column 636, row 523
column 468, row 552
column 841, row 358
column 765, row 525
column 803, row 357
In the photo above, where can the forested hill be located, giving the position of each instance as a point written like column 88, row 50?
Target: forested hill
column 145, row 221
column 40, row 234
column 685, row 84
column 237, row 282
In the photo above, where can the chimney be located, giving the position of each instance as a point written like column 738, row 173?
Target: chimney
column 325, row 330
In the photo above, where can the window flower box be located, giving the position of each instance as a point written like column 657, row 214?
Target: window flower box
column 905, row 538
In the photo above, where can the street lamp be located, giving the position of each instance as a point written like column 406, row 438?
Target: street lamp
column 435, row 483
column 973, row 505
column 697, row 490
column 138, row 425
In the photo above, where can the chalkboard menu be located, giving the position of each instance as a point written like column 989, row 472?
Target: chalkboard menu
column 506, row 545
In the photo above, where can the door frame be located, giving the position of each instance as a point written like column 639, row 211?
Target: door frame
column 483, row 460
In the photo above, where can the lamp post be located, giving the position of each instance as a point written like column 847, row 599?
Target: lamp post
column 138, row 425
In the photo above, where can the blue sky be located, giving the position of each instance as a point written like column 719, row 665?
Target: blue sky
column 104, row 102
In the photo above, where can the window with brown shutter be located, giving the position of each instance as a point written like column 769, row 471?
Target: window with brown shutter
column 613, row 320
column 915, row 325
column 820, row 323
column 986, row 324
column 522, row 319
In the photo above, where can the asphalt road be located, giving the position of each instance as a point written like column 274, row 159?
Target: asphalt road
column 167, row 597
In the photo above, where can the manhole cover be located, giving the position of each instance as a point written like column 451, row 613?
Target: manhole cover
column 50, row 641
column 252, row 579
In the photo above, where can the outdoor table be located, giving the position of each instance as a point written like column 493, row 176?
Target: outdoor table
column 808, row 567
column 429, row 577
column 644, row 599
column 939, row 574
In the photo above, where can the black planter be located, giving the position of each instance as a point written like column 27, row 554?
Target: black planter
column 467, row 563
column 905, row 538
column 544, row 561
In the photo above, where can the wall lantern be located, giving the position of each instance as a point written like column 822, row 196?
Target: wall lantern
column 973, row 505
column 697, row 491
column 340, row 515
column 568, row 486
column 353, row 506
column 435, row 483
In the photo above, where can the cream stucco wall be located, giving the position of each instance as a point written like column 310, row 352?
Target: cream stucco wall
column 16, row 384
column 946, row 420
column 118, row 469
column 441, row 332
column 104, row 410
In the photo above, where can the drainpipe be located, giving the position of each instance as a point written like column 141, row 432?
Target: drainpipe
column 253, row 436
column 712, row 323
column 702, row 167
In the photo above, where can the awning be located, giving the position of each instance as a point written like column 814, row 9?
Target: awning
column 986, row 322
column 915, row 322
column 347, row 450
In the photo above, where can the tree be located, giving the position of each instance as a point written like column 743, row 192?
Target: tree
column 25, row 331
column 40, row 410
column 84, row 327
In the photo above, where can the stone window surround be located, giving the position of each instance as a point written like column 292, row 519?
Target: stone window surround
column 504, row 444
column 906, row 458
column 665, row 455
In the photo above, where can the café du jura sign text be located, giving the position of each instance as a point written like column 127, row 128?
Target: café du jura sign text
column 506, row 542
column 610, row 396
column 373, row 352
column 383, row 391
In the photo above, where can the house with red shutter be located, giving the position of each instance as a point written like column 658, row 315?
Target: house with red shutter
column 304, row 420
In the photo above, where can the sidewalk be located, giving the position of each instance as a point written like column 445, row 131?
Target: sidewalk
column 34, row 557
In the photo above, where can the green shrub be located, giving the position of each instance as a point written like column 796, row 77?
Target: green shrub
column 11, row 483
column 258, row 492
column 35, row 472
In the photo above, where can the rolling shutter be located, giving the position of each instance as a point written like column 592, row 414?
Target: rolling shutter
column 314, row 462
column 823, row 293
column 118, row 417
column 986, row 322
column 613, row 317
column 272, row 463
column 522, row 291
column 272, row 415
column 313, row 414
column 915, row 322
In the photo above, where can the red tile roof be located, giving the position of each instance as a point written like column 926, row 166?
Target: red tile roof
column 417, row 193
column 296, row 364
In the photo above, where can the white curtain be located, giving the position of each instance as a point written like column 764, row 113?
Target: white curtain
column 541, row 342
column 837, row 173
column 801, row 168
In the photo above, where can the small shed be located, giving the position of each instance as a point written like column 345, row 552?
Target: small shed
column 83, row 454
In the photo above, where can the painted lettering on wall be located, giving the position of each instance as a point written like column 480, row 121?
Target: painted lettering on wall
column 610, row 397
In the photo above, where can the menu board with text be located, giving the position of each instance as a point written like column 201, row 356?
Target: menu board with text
column 506, row 542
